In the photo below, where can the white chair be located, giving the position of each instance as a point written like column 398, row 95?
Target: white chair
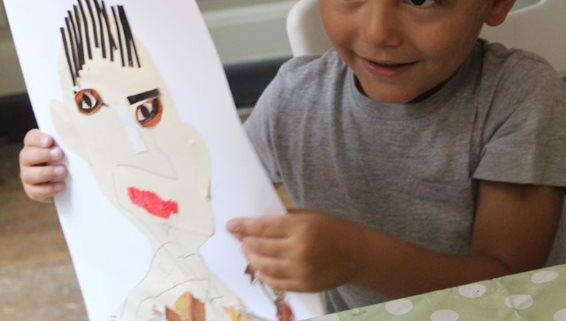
column 535, row 25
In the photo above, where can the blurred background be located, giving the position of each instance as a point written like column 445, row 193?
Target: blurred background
column 37, row 281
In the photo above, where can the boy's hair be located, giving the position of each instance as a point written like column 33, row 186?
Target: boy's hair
column 77, row 41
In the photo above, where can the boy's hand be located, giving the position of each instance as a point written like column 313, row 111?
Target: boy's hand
column 41, row 174
column 301, row 252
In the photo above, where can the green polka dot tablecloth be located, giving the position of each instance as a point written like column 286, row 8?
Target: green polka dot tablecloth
column 533, row 296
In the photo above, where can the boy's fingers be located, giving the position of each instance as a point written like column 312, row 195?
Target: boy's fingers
column 44, row 193
column 32, row 156
column 43, row 174
column 283, row 284
column 266, row 226
column 36, row 138
column 269, row 247
column 272, row 267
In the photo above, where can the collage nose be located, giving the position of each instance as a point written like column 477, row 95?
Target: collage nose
column 147, row 155
column 131, row 131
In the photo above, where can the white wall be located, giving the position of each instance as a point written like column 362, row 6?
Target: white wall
column 11, row 81
column 208, row 5
column 522, row 3
column 249, row 32
column 3, row 21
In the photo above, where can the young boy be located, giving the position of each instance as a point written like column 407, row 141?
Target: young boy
column 430, row 158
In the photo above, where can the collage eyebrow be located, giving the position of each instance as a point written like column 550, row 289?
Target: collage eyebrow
column 143, row 96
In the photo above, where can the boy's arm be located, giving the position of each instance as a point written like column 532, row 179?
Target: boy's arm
column 514, row 230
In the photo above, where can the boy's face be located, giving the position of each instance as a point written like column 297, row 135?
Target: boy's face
column 401, row 49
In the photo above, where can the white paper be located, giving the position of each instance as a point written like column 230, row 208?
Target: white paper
column 110, row 252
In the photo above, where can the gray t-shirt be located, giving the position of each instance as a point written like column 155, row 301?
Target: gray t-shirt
column 410, row 170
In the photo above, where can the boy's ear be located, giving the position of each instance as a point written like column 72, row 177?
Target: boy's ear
column 498, row 11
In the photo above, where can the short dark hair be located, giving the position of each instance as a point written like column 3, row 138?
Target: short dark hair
column 77, row 40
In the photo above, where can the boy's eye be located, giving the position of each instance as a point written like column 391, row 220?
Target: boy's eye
column 88, row 101
column 422, row 3
column 148, row 114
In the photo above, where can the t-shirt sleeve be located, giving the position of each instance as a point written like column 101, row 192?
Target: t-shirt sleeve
column 260, row 130
column 525, row 133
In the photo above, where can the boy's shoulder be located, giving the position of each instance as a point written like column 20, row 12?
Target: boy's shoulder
column 515, row 67
column 311, row 69
column 499, row 52
column 312, row 62
column 503, row 80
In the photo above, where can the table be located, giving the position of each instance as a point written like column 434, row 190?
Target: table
column 537, row 295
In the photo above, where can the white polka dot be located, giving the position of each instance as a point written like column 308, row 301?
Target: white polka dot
column 444, row 315
column 399, row 307
column 472, row 291
column 544, row 277
column 519, row 302
column 560, row 315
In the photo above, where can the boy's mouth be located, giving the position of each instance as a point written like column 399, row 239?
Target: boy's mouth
column 386, row 69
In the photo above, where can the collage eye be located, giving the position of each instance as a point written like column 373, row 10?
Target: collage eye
column 88, row 101
column 148, row 114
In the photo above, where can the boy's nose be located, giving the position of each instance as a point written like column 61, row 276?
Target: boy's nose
column 381, row 26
